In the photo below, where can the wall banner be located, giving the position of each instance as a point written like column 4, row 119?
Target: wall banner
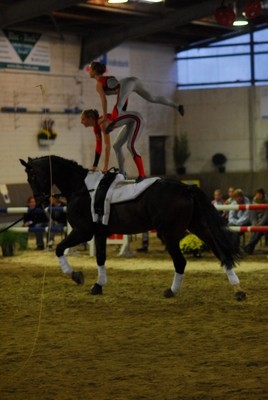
column 24, row 50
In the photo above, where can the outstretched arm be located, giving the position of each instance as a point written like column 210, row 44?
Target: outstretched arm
column 98, row 148
column 107, row 151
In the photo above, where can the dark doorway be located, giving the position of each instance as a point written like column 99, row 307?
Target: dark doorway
column 157, row 155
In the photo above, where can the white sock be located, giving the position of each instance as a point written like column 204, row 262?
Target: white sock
column 177, row 282
column 66, row 268
column 233, row 278
column 102, row 278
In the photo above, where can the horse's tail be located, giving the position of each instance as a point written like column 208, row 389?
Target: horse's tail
column 225, row 241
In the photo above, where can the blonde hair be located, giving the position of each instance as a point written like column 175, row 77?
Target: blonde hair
column 91, row 114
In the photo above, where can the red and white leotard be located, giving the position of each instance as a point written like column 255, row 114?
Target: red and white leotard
column 124, row 87
column 110, row 84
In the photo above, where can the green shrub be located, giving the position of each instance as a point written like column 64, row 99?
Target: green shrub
column 10, row 241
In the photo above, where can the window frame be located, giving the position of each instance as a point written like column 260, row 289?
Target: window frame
column 252, row 54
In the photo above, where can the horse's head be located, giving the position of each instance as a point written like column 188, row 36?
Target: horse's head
column 39, row 181
column 45, row 171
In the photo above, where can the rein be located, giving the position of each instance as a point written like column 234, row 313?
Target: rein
column 20, row 219
column 10, row 226
column 73, row 194
column 45, row 196
column 56, row 196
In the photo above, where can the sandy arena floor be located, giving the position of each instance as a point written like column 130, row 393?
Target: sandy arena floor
column 59, row 342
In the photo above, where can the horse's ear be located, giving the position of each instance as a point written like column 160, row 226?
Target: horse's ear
column 25, row 164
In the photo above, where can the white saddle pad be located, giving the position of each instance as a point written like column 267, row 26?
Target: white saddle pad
column 119, row 191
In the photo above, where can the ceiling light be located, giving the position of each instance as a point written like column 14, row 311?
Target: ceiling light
column 117, row 1
column 240, row 19
column 240, row 22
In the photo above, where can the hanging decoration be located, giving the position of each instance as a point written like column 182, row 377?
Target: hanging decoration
column 225, row 15
column 46, row 136
column 252, row 9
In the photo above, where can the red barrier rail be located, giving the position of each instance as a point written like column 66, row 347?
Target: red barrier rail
column 248, row 228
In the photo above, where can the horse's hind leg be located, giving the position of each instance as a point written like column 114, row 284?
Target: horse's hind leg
column 203, row 233
column 172, row 245
column 234, row 281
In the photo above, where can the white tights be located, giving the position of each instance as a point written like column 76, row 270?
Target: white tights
column 133, row 124
column 131, row 84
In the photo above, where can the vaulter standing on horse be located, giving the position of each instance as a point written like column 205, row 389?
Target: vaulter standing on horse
column 132, row 124
column 109, row 85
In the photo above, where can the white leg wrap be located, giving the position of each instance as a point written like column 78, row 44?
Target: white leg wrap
column 177, row 282
column 102, row 278
column 65, row 266
column 233, row 278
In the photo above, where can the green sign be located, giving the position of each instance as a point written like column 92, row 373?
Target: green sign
column 24, row 50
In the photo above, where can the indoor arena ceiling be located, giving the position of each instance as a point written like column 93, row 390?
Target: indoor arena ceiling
column 182, row 24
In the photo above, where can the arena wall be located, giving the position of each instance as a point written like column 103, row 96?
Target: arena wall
column 68, row 87
column 225, row 121
column 216, row 120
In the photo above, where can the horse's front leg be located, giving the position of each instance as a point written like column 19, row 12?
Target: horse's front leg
column 74, row 238
column 100, row 242
column 234, row 281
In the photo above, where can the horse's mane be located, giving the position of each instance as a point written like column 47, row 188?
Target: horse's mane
column 66, row 163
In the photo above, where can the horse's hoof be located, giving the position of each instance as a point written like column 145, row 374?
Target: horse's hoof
column 240, row 295
column 168, row 293
column 78, row 277
column 96, row 289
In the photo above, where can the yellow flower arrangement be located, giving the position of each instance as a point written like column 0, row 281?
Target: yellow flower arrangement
column 191, row 244
column 47, row 132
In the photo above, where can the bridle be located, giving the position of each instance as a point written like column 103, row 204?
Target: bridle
column 40, row 194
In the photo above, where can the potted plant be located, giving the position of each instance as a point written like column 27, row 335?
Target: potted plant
column 10, row 241
column 46, row 136
column 219, row 160
column 181, row 152
column 191, row 244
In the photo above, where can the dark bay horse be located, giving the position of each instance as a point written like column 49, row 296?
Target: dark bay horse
column 168, row 206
